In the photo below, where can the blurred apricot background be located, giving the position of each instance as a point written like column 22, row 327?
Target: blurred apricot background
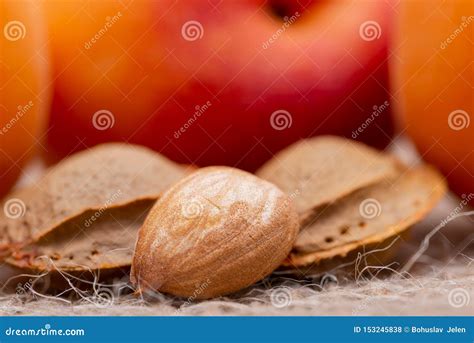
column 434, row 80
column 233, row 82
column 24, row 86
column 200, row 80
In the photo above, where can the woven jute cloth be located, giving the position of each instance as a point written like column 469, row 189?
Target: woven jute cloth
column 441, row 282
column 445, row 291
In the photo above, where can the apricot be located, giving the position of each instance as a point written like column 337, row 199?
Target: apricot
column 24, row 91
column 434, row 80
column 227, row 83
